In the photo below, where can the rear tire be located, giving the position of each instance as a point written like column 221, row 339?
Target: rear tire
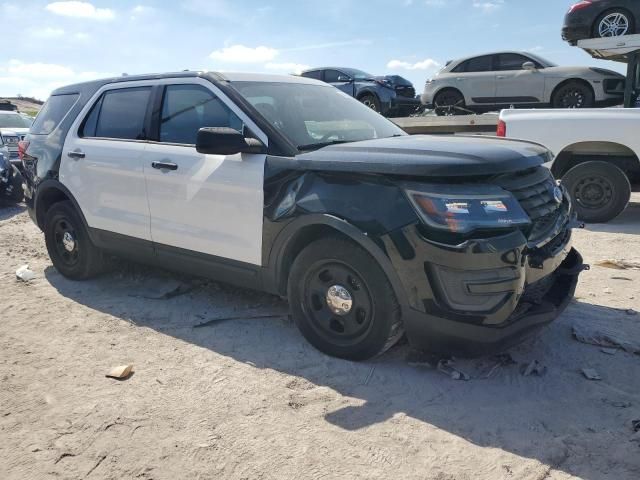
column 68, row 243
column 449, row 103
column 614, row 23
column 573, row 94
column 342, row 301
column 600, row 191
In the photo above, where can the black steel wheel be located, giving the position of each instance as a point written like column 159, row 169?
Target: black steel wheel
column 342, row 301
column 68, row 243
column 449, row 102
column 600, row 191
column 614, row 23
column 573, row 94
column 337, row 302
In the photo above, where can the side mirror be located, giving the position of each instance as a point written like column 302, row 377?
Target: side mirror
column 226, row 141
column 344, row 78
column 529, row 66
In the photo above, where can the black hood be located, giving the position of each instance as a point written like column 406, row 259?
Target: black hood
column 426, row 155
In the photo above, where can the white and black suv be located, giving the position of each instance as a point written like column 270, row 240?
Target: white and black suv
column 288, row 185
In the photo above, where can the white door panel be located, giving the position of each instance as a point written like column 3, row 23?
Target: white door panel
column 108, row 184
column 520, row 83
column 211, row 204
column 478, row 87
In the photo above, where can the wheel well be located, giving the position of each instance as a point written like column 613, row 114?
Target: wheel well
column 300, row 240
column 445, row 89
column 569, row 80
column 617, row 154
column 46, row 200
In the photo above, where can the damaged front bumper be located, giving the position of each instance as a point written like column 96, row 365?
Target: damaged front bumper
column 485, row 295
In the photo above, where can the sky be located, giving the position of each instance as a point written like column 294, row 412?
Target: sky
column 48, row 44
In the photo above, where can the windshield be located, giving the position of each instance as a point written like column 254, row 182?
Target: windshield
column 312, row 116
column 357, row 74
column 11, row 120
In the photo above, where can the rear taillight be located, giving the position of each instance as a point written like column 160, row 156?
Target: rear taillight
column 579, row 5
column 22, row 149
column 502, row 129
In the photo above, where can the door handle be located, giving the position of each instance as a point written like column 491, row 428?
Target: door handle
column 460, row 79
column 76, row 154
column 164, row 165
column 501, row 77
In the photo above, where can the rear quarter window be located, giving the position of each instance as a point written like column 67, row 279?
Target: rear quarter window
column 52, row 113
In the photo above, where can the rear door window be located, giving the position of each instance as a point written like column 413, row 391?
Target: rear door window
column 119, row 114
column 317, row 74
column 52, row 113
column 479, row 64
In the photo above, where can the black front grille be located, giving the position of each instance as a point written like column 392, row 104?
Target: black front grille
column 535, row 190
column 409, row 92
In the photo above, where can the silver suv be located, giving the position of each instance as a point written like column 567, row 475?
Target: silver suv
column 519, row 79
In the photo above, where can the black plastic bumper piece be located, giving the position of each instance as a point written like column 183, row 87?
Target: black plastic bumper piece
column 440, row 335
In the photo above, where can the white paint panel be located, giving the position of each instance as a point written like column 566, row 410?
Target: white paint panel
column 212, row 204
column 108, row 184
column 559, row 129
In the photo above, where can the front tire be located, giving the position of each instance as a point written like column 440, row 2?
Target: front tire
column 600, row 191
column 342, row 301
column 371, row 101
column 70, row 248
column 614, row 23
column 573, row 94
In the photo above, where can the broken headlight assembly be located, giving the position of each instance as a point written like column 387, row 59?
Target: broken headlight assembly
column 463, row 209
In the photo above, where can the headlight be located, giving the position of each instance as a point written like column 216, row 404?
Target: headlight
column 464, row 209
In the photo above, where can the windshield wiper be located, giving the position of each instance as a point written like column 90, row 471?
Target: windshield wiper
column 314, row 146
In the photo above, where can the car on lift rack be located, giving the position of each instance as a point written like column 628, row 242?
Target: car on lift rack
column 600, row 19
column 390, row 95
column 465, row 244
column 518, row 79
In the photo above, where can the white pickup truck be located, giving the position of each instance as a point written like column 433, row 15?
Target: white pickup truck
column 597, row 153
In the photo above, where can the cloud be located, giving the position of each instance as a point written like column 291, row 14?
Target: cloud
column 39, row 79
column 428, row 64
column 47, row 32
column 38, row 70
column 210, row 8
column 80, row 10
column 295, row 68
column 489, row 5
column 242, row 54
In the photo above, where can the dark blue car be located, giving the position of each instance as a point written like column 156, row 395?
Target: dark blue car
column 390, row 95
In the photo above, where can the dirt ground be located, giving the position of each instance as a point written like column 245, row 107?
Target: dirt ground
column 248, row 398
